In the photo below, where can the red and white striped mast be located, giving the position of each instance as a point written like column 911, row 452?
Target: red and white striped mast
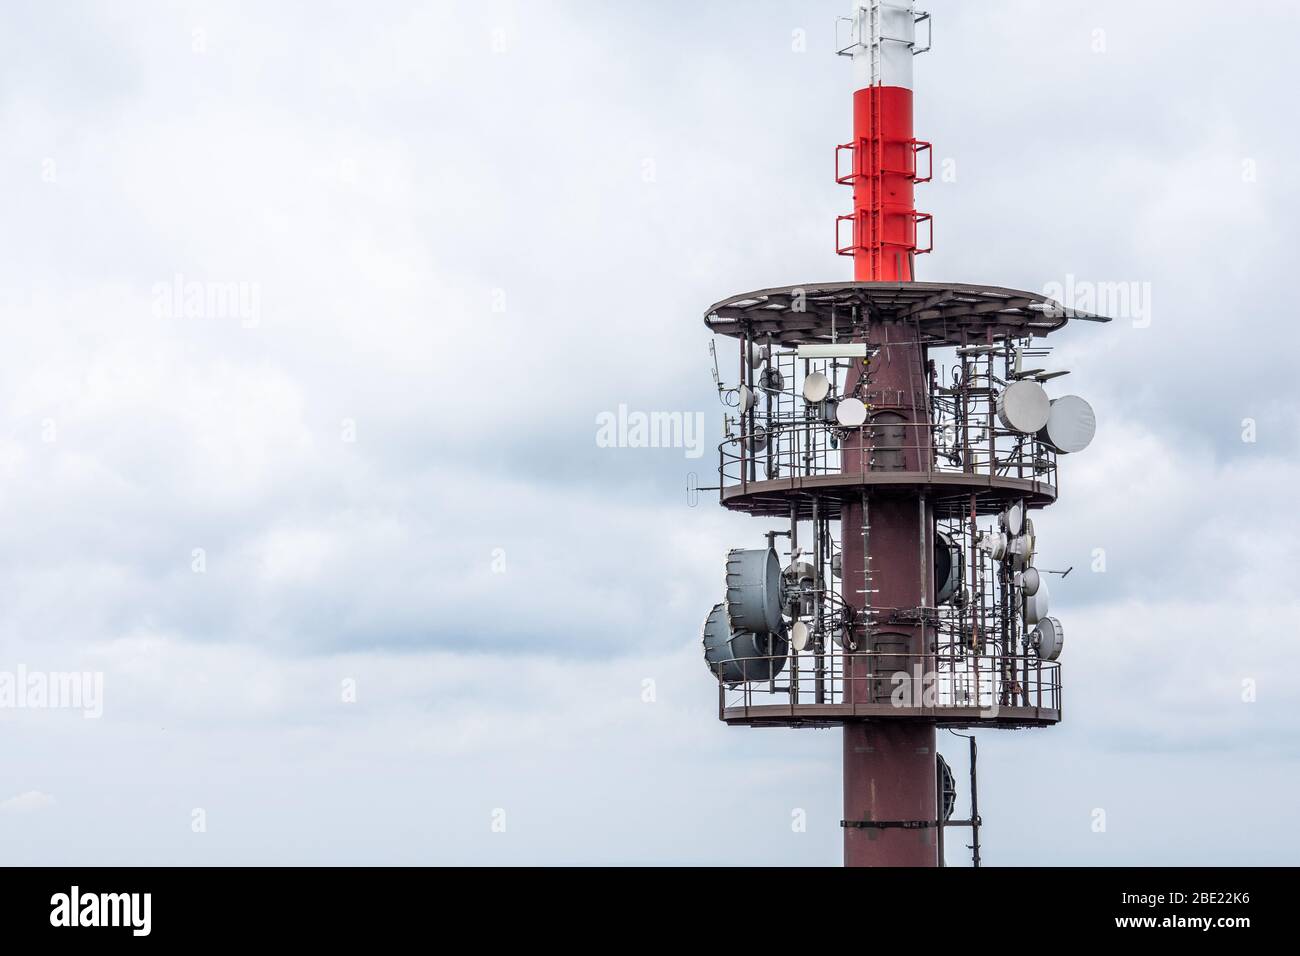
column 881, row 163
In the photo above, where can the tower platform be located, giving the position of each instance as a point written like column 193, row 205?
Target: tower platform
column 942, row 313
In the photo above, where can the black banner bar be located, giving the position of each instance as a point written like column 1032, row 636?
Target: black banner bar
column 132, row 906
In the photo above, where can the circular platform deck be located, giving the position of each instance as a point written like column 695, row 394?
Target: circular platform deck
column 942, row 313
column 948, row 491
column 834, row 715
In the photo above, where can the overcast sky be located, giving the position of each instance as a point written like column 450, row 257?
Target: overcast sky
column 455, row 235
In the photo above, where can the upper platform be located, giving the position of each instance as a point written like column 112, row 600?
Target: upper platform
column 951, row 492
column 942, row 313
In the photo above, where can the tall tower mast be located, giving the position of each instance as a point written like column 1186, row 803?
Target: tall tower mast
column 909, row 600
column 889, row 768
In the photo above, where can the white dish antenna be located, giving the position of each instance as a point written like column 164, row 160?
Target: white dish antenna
column 851, row 413
column 1037, row 604
column 1015, row 518
column 1071, row 423
column 995, row 543
column 1023, row 547
column 816, row 386
column 800, row 636
column 1029, row 580
column 1023, row 407
column 1048, row 639
column 744, row 398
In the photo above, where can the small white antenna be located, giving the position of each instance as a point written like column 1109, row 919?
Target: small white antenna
column 816, row 386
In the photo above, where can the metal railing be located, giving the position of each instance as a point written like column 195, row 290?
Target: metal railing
column 909, row 683
column 797, row 448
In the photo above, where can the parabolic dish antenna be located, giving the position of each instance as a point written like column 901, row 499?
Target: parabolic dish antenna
column 995, row 543
column 800, row 635
column 798, row 573
column 1071, row 423
column 797, row 583
column 744, row 398
column 1048, row 639
column 1016, row 518
column 754, row 590
column 738, row 656
column 816, row 386
column 1037, row 604
column 1023, row 547
column 717, row 644
column 947, row 786
column 851, row 412
column 1029, row 580
column 947, row 568
column 771, row 380
column 1023, row 407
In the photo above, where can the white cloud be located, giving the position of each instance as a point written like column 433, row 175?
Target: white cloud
column 28, row 802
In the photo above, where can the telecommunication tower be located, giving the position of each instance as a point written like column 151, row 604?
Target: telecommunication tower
column 903, row 433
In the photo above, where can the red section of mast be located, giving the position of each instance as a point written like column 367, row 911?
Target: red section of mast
column 885, row 167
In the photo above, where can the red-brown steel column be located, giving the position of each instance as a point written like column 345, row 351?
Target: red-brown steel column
column 889, row 774
column 889, row 764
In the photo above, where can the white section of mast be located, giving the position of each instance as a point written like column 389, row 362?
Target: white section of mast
column 882, row 42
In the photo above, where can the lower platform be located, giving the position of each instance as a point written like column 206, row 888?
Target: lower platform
column 835, row 715
column 836, row 688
